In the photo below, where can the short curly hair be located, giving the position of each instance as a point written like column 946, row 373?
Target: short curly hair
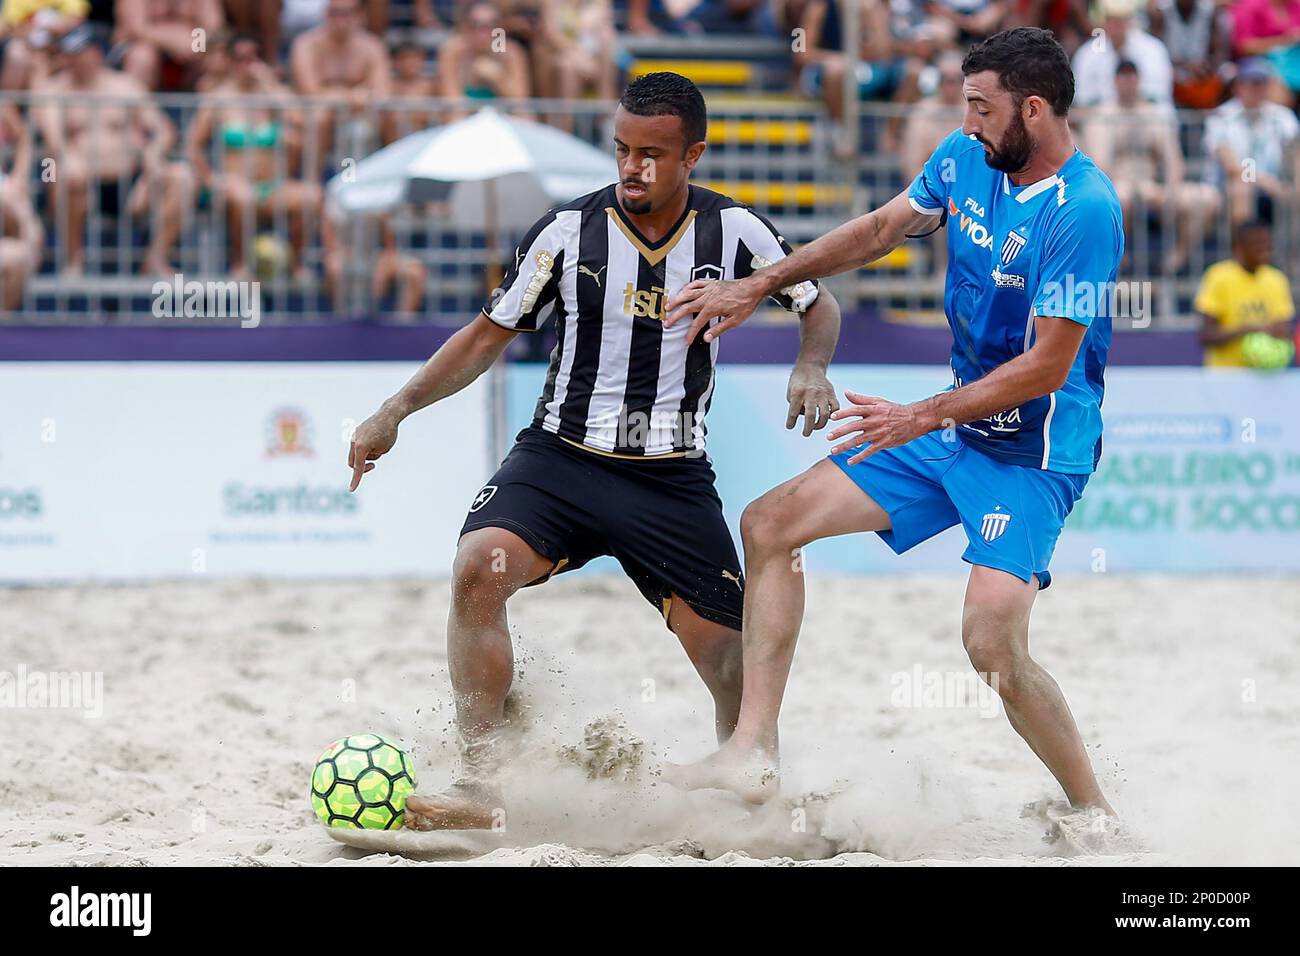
column 1028, row 62
column 660, row 94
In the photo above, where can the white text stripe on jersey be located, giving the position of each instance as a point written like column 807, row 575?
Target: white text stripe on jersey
column 697, row 426
column 1033, row 189
column 510, row 309
column 570, row 220
column 1047, row 428
column 672, row 355
column 615, row 342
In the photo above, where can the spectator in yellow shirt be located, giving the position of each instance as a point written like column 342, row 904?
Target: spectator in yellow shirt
column 1242, row 295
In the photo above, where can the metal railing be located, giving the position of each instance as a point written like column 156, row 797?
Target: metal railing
column 240, row 182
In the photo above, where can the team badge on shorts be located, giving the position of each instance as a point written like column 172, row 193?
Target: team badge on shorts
column 483, row 497
column 994, row 523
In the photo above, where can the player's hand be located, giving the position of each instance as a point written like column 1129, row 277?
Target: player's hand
column 811, row 395
column 374, row 437
column 884, row 424
column 734, row 300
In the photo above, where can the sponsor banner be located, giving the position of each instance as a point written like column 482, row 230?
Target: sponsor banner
column 122, row 471
column 1200, row 469
column 137, row 470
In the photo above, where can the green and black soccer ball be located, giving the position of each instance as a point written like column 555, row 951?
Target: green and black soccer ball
column 1261, row 350
column 362, row 782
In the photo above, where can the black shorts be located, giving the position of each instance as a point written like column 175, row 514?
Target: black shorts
column 661, row 518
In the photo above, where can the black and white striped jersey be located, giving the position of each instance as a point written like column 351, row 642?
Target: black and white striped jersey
column 619, row 382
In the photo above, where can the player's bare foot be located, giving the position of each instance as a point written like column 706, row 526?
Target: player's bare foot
column 750, row 774
column 1091, row 831
column 462, row 806
column 1101, row 804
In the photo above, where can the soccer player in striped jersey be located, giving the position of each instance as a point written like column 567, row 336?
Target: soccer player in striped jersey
column 614, row 461
column 1035, row 239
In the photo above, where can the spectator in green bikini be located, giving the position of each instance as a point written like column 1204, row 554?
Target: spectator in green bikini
column 480, row 62
column 248, row 158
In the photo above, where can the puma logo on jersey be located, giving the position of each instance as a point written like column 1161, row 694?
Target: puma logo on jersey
column 731, row 577
column 595, row 275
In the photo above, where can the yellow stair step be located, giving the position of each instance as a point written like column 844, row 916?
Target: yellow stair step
column 770, row 132
column 740, row 101
column 702, row 72
column 900, row 257
column 781, row 194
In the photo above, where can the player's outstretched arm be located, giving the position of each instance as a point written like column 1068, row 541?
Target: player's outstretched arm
column 463, row 358
column 849, row 246
column 810, row 392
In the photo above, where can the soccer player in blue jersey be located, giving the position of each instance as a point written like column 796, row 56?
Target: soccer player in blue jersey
column 1034, row 243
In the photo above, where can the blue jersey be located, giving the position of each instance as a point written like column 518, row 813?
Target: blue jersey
column 1050, row 248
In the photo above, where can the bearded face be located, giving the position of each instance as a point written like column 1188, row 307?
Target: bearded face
column 1012, row 153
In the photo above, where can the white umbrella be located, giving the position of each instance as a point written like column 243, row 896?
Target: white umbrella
column 496, row 172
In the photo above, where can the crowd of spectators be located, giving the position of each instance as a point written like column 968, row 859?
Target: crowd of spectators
column 115, row 150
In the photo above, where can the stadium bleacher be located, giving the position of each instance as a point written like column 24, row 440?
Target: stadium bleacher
column 769, row 146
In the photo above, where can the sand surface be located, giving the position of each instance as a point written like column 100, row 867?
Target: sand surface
column 217, row 696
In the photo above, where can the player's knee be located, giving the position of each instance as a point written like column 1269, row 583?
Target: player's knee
column 763, row 529
column 481, row 573
column 997, row 664
column 992, row 643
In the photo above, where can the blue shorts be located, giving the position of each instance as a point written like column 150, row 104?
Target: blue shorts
column 1012, row 515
